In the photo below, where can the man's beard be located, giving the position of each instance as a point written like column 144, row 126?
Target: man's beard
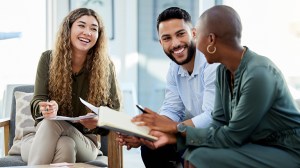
column 191, row 52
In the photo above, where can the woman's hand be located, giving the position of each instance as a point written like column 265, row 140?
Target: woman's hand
column 48, row 109
column 90, row 123
column 163, row 139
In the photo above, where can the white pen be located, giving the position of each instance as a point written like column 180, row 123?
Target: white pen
column 42, row 116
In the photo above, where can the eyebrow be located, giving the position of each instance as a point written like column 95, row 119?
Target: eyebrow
column 165, row 35
column 179, row 31
column 85, row 23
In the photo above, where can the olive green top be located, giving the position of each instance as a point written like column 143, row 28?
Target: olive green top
column 260, row 110
column 79, row 88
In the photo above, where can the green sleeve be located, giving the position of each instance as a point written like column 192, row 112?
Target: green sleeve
column 256, row 97
column 41, row 84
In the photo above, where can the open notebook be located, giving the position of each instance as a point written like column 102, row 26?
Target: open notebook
column 119, row 122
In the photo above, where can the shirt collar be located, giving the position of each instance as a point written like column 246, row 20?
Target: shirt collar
column 82, row 71
column 199, row 62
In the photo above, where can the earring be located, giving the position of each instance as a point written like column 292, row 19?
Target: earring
column 211, row 52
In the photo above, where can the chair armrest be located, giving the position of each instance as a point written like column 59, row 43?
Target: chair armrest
column 115, row 154
column 5, row 123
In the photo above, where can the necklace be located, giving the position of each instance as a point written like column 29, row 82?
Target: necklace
column 244, row 50
column 232, row 75
column 231, row 81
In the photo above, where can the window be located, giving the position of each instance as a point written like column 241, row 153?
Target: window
column 22, row 40
column 272, row 29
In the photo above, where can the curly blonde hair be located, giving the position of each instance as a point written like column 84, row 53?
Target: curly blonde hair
column 98, row 64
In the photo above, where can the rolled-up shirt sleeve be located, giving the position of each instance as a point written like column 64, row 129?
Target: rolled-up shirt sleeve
column 173, row 106
column 204, row 119
column 190, row 96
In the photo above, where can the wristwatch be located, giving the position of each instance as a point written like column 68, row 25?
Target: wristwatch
column 181, row 127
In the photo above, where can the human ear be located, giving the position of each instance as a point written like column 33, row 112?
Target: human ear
column 194, row 33
column 212, row 38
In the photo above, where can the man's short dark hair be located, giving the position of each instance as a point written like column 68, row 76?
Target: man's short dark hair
column 173, row 13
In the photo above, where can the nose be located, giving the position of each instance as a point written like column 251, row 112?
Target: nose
column 175, row 42
column 87, row 32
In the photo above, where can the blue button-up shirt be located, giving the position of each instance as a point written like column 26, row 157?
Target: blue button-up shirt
column 190, row 96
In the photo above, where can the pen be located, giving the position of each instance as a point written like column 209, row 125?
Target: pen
column 141, row 108
column 47, row 107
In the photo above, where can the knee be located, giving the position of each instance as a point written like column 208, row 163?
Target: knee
column 49, row 124
column 65, row 150
column 165, row 156
column 201, row 156
column 148, row 153
column 66, row 145
column 145, row 150
column 205, row 153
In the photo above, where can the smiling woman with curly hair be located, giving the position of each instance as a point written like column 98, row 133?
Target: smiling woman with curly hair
column 78, row 66
column 97, row 63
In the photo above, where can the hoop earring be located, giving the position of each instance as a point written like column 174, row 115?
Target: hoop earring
column 211, row 52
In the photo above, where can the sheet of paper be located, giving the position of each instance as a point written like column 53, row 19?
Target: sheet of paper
column 69, row 118
column 62, row 164
column 90, row 106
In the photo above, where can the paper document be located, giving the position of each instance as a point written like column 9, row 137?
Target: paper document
column 69, row 118
column 119, row 122
column 62, row 164
column 90, row 106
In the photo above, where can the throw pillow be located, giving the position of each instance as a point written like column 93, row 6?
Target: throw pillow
column 24, row 121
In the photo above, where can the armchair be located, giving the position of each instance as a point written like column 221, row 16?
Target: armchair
column 112, row 153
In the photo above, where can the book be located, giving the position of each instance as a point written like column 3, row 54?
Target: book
column 119, row 122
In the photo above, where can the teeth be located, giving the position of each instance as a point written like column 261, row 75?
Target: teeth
column 84, row 40
column 179, row 51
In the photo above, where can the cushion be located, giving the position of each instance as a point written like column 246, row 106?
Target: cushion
column 100, row 161
column 9, row 161
column 24, row 121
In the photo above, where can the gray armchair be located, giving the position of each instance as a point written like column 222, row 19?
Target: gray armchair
column 112, row 153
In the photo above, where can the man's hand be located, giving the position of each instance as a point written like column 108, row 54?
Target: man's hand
column 155, row 121
column 128, row 141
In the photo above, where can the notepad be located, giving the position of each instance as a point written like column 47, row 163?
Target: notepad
column 119, row 122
